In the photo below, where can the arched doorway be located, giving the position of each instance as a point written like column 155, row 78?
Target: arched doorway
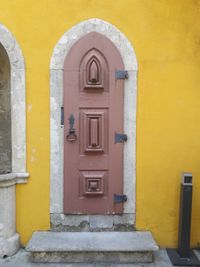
column 61, row 50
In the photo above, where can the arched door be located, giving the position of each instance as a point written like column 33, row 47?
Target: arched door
column 93, row 115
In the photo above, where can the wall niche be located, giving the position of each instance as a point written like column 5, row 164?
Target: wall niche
column 5, row 114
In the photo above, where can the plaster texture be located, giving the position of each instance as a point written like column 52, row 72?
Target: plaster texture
column 56, row 102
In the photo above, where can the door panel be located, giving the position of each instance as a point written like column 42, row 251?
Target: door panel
column 93, row 112
column 94, row 134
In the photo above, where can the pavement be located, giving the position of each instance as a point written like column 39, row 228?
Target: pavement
column 22, row 259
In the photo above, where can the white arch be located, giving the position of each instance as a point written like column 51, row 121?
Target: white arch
column 56, row 86
column 18, row 107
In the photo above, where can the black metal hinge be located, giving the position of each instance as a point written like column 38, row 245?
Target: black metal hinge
column 62, row 116
column 121, row 74
column 120, row 198
column 120, row 138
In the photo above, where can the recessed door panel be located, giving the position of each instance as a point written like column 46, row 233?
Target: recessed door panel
column 93, row 183
column 93, row 112
column 94, row 130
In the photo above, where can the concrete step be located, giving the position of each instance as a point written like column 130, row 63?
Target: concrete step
column 92, row 247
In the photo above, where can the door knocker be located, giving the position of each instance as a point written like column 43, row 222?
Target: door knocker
column 71, row 137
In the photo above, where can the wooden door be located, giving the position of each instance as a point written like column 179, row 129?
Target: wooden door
column 93, row 113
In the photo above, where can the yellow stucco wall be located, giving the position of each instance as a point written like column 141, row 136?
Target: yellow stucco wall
column 166, row 38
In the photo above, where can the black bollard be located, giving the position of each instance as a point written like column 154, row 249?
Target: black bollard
column 185, row 216
column 184, row 255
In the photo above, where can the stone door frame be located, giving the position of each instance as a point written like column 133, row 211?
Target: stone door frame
column 56, row 102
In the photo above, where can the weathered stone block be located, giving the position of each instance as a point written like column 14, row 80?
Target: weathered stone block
column 88, row 247
column 101, row 221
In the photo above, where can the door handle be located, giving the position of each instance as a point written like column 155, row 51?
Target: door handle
column 71, row 137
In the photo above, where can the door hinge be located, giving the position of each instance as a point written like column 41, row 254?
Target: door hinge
column 62, row 116
column 120, row 198
column 121, row 74
column 120, row 138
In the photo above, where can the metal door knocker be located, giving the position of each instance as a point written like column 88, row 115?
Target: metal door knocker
column 71, row 137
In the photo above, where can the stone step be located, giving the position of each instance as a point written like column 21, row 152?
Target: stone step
column 92, row 247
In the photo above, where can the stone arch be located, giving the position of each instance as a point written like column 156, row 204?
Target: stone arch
column 18, row 107
column 9, row 239
column 56, row 102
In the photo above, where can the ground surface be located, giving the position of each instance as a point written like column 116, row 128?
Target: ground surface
column 21, row 259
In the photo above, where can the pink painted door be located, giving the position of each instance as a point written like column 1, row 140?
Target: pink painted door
column 93, row 113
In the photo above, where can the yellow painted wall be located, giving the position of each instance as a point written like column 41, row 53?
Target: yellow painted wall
column 166, row 38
